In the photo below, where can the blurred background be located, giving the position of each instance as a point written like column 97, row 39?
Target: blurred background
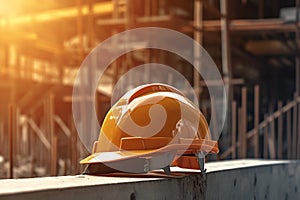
column 254, row 43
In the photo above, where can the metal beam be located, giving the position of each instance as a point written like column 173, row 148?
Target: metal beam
column 198, row 37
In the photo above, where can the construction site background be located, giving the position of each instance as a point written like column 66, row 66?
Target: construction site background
column 255, row 45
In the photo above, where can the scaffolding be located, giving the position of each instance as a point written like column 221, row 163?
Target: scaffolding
column 38, row 80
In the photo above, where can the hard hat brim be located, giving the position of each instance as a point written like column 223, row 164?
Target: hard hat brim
column 206, row 146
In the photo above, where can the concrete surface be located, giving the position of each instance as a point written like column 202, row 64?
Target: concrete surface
column 262, row 180
column 239, row 179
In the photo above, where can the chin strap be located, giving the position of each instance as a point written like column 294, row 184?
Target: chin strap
column 167, row 170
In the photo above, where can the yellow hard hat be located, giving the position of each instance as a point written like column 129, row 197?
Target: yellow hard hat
column 152, row 126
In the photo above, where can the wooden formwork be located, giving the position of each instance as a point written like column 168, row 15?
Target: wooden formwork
column 276, row 136
column 276, row 133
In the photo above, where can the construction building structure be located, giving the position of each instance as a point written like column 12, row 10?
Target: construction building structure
column 42, row 47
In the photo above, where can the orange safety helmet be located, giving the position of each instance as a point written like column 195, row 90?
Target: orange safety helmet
column 151, row 127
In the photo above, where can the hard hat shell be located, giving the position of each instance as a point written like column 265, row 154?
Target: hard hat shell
column 152, row 120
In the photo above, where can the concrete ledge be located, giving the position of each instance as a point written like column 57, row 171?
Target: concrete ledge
column 255, row 180
column 240, row 179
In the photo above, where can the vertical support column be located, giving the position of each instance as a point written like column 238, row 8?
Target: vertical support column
column 80, row 28
column 32, row 143
column 243, row 138
column 297, row 58
column 225, row 41
column 84, row 76
column 11, row 56
column 294, row 137
column 91, row 32
column 289, row 140
column 298, row 136
column 226, row 57
column 266, row 138
column 240, row 127
column 53, row 134
column 25, row 132
column 198, row 37
column 74, row 149
column 46, row 128
column 2, row 138
column 280, row 138
column 11, row 137
column 114, row 65
column 233, row 130
column 272, row 140
column 256, row 121
column 17, row 140
column 130, row 15
column 93, row 65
